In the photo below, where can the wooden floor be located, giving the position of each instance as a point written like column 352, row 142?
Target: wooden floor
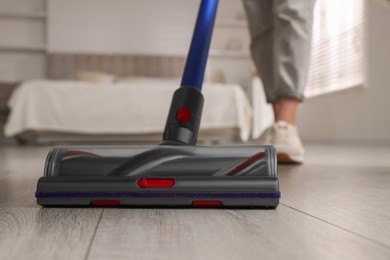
column 335, row 206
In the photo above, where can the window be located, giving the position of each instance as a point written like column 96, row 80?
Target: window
column 337, row 58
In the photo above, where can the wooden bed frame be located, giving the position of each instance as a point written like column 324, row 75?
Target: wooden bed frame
column 67, row 65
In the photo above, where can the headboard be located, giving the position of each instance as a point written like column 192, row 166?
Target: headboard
column 67, row 65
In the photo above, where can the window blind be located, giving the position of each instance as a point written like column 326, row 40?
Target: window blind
column 337, row 56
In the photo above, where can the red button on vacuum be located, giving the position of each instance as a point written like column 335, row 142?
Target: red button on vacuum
column 105, row 203
column 155, row 183
column 206, row 203
column 183, row 115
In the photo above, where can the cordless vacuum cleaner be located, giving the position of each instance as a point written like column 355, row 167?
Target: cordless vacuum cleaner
column 174, row 174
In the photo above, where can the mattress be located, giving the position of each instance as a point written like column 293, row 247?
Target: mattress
column 124, row 108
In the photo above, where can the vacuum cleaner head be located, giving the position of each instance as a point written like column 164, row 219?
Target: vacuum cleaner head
column 160, row 176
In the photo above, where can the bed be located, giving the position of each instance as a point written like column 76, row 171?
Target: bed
column 66, row 110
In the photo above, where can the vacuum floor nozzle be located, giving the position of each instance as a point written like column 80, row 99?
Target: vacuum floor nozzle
column 160, row 176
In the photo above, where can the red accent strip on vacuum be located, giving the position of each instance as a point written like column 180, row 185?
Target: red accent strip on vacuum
column 206, row 203
column 246, row 163
column 105, row 203
column 155, row 183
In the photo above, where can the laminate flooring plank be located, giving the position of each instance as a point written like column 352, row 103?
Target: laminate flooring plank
column 22, row 158
column 225, row 234
column 46, row 233
column 28, row 231
column 17, row 188
column 366, row 155
column 20, row 170
column 356, row 198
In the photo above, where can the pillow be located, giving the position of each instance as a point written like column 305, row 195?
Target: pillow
column 95, row 77
column 156, row 80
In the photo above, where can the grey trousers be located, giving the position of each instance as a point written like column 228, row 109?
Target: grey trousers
column 280, row 33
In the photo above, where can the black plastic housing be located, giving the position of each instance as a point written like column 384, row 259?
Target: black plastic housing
column 184, row 133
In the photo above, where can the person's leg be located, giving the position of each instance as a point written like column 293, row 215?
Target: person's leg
column 286, row 110
column 261, row 28
column 280, row 33
column 280, row 49
column 293, row 21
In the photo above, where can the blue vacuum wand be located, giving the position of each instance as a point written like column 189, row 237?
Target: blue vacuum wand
column 184, row 116
column 199, row 50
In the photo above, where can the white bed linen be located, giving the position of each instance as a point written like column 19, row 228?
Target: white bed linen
column 121, row 108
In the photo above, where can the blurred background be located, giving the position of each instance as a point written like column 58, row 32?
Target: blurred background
column 98, row 71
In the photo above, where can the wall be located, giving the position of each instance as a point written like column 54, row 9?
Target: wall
column 135, row 26
column 23, row 39
column 150, row 27
column 22, row 47
column 359, row 114
column 120, row 26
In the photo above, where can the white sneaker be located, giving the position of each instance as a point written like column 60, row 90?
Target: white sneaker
column 284, row 137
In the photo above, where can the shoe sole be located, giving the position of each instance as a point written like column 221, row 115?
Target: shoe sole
column 284, row 158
